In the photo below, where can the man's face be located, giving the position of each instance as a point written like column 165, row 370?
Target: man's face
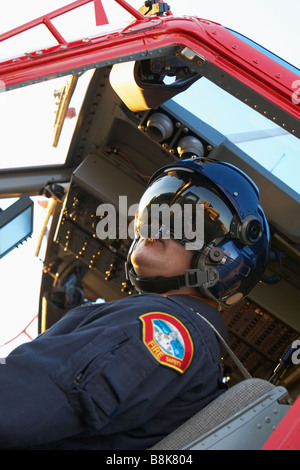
column 163, row 257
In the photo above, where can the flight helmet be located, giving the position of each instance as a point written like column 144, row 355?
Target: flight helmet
column 212, row 208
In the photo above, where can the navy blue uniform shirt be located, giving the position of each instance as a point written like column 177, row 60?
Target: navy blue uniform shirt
column 117, row 375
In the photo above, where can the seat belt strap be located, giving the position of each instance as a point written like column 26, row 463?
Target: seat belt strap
column 238, row 363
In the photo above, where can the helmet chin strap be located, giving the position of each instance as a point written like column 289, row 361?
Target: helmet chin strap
column 202, row 276
column 194, row 278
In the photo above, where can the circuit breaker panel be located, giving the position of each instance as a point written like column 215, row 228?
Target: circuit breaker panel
column 77, row 229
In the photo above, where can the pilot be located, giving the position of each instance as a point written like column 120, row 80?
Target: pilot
column 124, row 374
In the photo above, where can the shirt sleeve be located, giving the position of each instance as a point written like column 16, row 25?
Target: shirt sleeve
column 33, row 409
column 57, row 387
column 100, row 384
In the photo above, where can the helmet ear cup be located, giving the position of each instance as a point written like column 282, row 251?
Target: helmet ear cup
column 251, row 230
column 248, row 231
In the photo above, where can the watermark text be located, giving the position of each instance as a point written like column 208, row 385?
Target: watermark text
column 296, row 94
column 296, row 353
column 158, row 221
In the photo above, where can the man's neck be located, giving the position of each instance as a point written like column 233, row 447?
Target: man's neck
column 192, row 293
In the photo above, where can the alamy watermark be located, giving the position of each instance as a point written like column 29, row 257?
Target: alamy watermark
column 296, row 353
column 156, row 221
column 296, row 94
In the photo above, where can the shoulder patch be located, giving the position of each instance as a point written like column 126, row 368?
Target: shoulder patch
column 168, row 340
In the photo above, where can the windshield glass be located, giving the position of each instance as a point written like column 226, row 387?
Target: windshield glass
column 272, row 28
column 37, row 121
column 271, row 146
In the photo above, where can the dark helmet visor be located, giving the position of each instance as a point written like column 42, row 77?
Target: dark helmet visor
column 235, row 185
column 177, row 202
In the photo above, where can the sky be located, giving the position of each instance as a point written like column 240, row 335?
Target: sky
column 271, row 23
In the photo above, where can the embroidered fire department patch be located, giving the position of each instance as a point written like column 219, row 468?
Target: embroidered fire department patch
column 168, row 340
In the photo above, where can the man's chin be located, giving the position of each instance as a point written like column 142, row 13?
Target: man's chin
column 146, row 256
